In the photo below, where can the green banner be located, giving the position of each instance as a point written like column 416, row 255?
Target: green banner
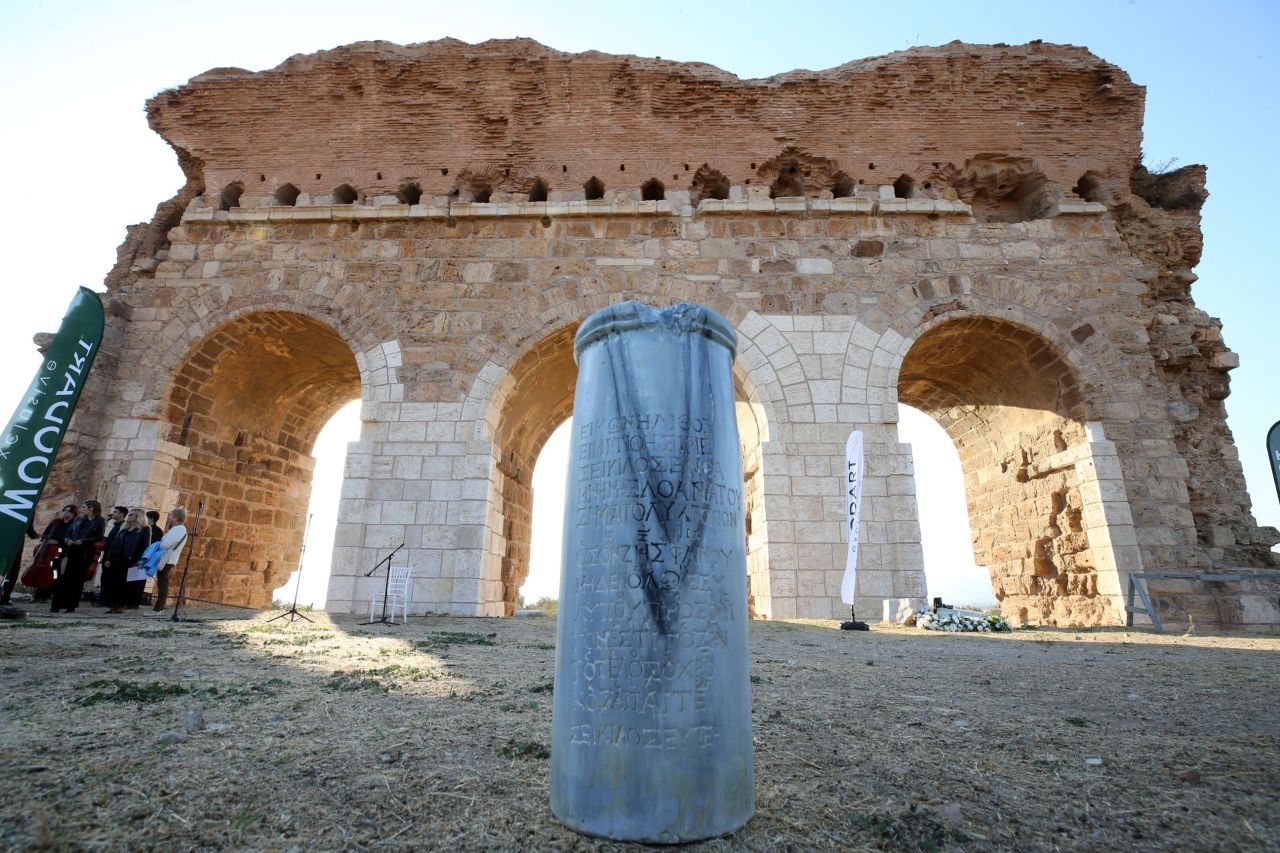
column 1273, row 453
column 30, row 442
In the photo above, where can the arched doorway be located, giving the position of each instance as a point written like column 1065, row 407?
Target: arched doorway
column 951, row 573
column 533, row 400
column 1014, row 409
column 540, row 398
column 550, row 483
column 248, row 401
column 309, row 584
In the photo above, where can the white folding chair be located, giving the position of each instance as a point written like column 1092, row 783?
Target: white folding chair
column 399, row 594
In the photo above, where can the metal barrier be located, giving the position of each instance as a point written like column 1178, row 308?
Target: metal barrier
column 1137, row 583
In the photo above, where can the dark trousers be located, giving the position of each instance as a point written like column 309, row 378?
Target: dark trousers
column 113, row 585
column 162, row 587
column 70, row 584
column 133, row 594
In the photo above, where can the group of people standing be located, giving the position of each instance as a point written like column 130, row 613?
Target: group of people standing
column 82, row 534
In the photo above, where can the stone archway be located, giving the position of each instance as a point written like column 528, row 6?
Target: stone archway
column 532, row 401
column 247, row 402
column 540, row 398
column 1014, row 408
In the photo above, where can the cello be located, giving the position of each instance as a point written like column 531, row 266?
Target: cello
column 42, row 572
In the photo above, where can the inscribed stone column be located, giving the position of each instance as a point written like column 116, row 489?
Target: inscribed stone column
column 651, row 732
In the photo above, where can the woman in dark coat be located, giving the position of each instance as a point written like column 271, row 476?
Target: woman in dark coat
column 85, row 533
column 122, row 553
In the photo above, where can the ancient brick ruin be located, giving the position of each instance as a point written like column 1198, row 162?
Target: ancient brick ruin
column 966, row 229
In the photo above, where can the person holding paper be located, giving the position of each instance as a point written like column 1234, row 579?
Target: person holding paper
column 123, row 553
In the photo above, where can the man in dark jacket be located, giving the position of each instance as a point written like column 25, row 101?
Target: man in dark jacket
column 153, row 521
column 83, row 537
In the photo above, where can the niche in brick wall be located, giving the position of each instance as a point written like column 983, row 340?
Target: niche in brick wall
column 796, row 172
column 1002, row 188
column 287, row 195
column 709, row 183
column 788, row 184
column 1090, row 187
column 475, row 186
column 843, row 186
column 230, row 196
column 345, row 194
column 409, row 193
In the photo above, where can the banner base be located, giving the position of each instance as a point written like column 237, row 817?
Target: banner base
column 853, row 624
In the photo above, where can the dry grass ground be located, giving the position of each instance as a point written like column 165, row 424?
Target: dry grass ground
column 335, row 736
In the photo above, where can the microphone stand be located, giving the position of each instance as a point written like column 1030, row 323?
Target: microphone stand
column 292, row 612
column 385, row 588
column 186, row 567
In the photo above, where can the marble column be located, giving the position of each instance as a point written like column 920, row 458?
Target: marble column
column 651, row 733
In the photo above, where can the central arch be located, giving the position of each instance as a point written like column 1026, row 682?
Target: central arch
column 248, row 401
column 541, row 398
column 1014, row 408
column 533, row 400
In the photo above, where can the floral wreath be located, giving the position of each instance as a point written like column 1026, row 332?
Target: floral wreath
column 957, row 623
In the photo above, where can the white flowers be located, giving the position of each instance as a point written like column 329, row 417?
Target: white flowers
column 958, row 623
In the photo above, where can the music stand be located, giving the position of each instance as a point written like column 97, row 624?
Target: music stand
column 292, row 612
column 386, row 587
column 186, row 567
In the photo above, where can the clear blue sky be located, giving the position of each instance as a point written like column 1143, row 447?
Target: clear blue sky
column 81, row 164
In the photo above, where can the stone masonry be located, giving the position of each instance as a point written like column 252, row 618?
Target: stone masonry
column 964, row 229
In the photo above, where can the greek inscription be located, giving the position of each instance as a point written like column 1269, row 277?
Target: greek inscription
column 653, row 475
column 695, row 737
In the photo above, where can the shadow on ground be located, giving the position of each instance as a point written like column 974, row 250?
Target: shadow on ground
column 435, row 735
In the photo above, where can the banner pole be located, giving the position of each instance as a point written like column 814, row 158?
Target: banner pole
column 30, row 442
column 853, row 456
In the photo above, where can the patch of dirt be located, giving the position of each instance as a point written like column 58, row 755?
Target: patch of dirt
column 435, row 735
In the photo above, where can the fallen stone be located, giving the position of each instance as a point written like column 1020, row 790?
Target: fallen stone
column 193, row 720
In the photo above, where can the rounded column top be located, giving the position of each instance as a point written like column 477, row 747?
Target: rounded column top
column 681, row 318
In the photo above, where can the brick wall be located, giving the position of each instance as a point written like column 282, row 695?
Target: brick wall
column 876, row 232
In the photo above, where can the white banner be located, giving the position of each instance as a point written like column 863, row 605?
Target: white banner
column 853, row 511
